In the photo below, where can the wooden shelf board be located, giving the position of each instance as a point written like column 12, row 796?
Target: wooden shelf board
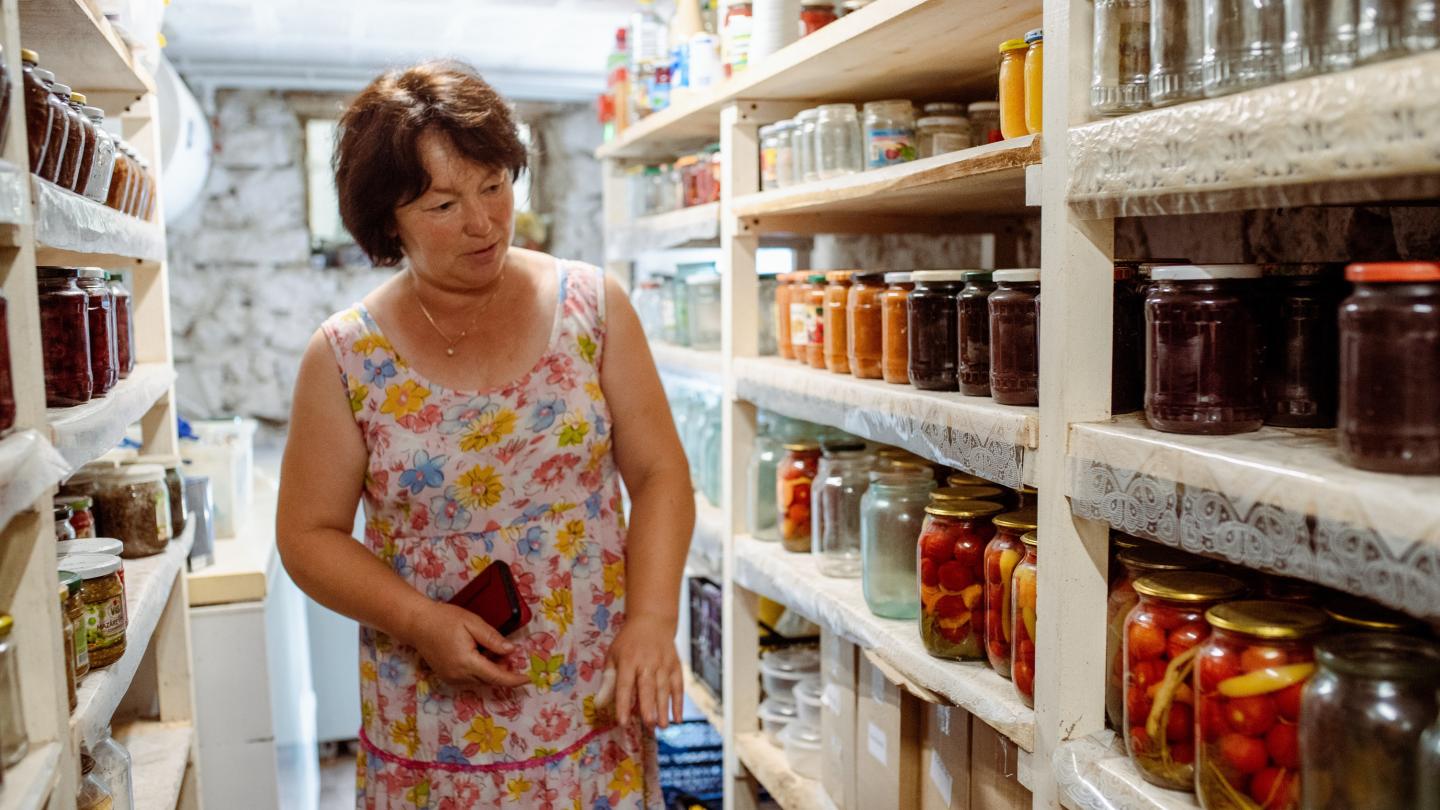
column 1094, row 772
column 696, row 225
column 934, row 49
column 160, row 754
column 85, row 432
column 766, row 762
column 83, row 50
column 28, row 784
column 707, row 703
column 243, row 564
column 795, row 580
column 670, row 358
column 71, row 230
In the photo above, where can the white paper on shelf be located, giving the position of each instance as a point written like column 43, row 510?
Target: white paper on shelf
column 12, row 202
column 68, row 221
column 699, row 223
column 1094, row 773
column 29, row 466
column 84, row 432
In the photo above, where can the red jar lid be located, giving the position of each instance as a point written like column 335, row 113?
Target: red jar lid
column 1368, row 272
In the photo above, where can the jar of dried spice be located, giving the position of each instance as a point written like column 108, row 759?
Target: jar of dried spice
column 104, row 598
column 132, row 504
column 174, row 485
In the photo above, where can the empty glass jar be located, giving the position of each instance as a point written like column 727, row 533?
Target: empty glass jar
column 889, row 133
column 838, row 149
column 807, row 169
column 841, row 480
column 1177, row 43
column 13, row 742
column 1319, row 37
column 1243, row 42
column 1380, row 29
column 760, row 480
column 891, row 514
column 1120, row 67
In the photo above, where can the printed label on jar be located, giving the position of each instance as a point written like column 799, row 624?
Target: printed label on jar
column 815, row 325
column 105, row 622
column 735, row 43
column 769, row 167
column 890, row 146
column 949, row 142
column 799, row 325
column 162, row 515
column 82, row 644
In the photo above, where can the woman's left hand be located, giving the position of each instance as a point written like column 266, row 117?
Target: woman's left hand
column 649, row 681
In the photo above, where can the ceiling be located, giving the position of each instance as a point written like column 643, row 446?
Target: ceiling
column 540, row 50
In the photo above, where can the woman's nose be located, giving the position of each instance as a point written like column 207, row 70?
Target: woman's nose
column 477, row 220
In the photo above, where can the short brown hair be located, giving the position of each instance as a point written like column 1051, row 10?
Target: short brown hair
column 377, row 156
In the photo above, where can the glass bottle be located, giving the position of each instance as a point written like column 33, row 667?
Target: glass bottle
column 794, row 480
column 1243, row 42
column 974, row 333
column 760, row 480
column 1002, row 554
column 895, row 328
column 92, row 794
column 933, row 329
column 38, row 112
column 1015, row 338
column 1380, row 30
column 1361, row 719
column 1249, row 677
column 837, row 297
column 815, row 321
column 1319, row 37
column 952, row 576
column 103, row 165
column 841, row 480
column 1177, row 44
column 1024, row 603
column 113, row 767
column 100, row 312
column 1034, row 80
column 816, row 14
column 838, row 146
column 124, row 325
column 863, row 328
column 1301, row 346
column 889, row 133
column 7, row 384
column 85, row 165
column 1120, row 76
column 56, row 143
column 891, row 514
column 65, row 337
column 1160, row 638
column 13, row 741
column 1012, row 88
column 69, row 169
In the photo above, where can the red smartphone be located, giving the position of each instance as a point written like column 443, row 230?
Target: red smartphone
column 492, row 597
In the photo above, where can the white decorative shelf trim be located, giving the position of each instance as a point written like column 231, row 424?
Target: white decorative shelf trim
column 85, row 432
column 29, row 466
column 1094, row 773
column 28, row 784
column 971, row 433
column 1278, row 500
column 686, row 226
column 71, row 229
column 795, row 581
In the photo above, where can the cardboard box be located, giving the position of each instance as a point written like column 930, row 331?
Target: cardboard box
column 995, row 770
column 945, row 759
column 839, row 662
column 887, row 736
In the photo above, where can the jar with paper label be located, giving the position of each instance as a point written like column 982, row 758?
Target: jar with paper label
column 802, row 141
column 836, row 328
column 65, row 337
column 816, row 14
column 952, row 577
column 174, row 485
column 939, row 134
column 800, row 288
column 1002, row 554
column 82, row 519
column 838, row 148
column 100, row 314
column 863, row 327
column 891, row 515
column 815, row 321
column 889, row 133
column 64, row 532
column 934, row 334
column 13, row 742
column 1012, row 88
column 104, row 597
column 895, row 328
column 1015, row 337
column 132, row 504
column 735, row 35
column 973, row 313
column 1024, row 603
column 794, row 480
column 75, row 612
column 841, row 480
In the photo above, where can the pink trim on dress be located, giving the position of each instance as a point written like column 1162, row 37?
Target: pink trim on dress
column 493, row 767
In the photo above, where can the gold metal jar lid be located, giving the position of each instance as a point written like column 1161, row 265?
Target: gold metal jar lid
column 1189, row 586
column 1030, row 539
column 839, row 276
column 1267, row 619
column 968, row 492
column 1124, row 541
column 961, row 479
column 1022, row 519
column 1361, row 614
column 806, row 446
column 1161, row 558
column 962, row 509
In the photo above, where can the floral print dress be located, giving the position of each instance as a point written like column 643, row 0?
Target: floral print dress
column 524, row 473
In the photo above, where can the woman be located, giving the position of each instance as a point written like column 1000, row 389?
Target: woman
column 486, row 401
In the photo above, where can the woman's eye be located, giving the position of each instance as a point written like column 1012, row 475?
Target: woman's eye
column 445, row 206
column 492, row 189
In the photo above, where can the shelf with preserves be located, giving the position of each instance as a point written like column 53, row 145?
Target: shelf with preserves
column 29, row 466
column 698, row 224
column 71, row 230
column 1096, row 774
column 84, row 432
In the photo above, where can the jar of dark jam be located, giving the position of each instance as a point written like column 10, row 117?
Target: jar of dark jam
column 69, row 158
column 1390, row 368
column 59, row 123
column 895, row 328
column 86, row 165
column 1203, row 349
column 7, row 385
column 1127, row 342
column 100, row 308
column 934, row 333
column 1015, row 338
column 37, row 107
column 974, row 308
column 124, row 325
column 1302, row 340
column 64, row 337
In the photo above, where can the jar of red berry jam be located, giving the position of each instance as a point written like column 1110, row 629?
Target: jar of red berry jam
column 100, row 312
column 951, row 559
column 64, row 337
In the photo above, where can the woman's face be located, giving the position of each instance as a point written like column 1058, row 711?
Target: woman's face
column 457, row 233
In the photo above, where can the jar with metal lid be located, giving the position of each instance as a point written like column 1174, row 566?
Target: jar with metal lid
column 63, row 530
column 1203, row 349
column 952, row 576
column 939, row 134
column 803, row 142
column 780, row 313
column 1002, row 554
column 816, row 14
column 100, row 312
column 766, row 341
column 13, row 742
column 934, row 334
column 86, row 163
column 123, row 176
column 960, row 479
column 91, row 545
column 1162, row 634
column 760, row 509
column 7, row 383
column 1120, row 61
column 1302, row 343
column 75, row 138
column 1351, row 614
column 974, row 334
column 836, row 328
column 174, row 485
column 794, row 480
column 102, row 166
column 1244, row 40
column 841, row 479
column 864, row 338
column 82, row 519
column 67, row 643
column 838, row 148
column 1361, row 719
column 114, row 767
column 1320, row 37
column 132, row 504
column 1024, row 604
column 1127, row 341
column 769, row 157
column 56, row 143
column 1422, row 26
column 815, row 321
column 92, row 794
column 1012, row 88
column 1250, row 674
column 891, row 514
column 1177, row 45
column 104, row 597
column 1390, row 368
column 969, row 492
column 78, row 646
column 1382, row 24
column 889, row 133
column 38, row 112
column 1034, row 80
column 801, row 315
column 64, row 337
column 942, row 108
column 1015, row 338
column 985, row 122
column 895, row 328
column 691, row 172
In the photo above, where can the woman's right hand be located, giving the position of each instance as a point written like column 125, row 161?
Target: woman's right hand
column 450, row 639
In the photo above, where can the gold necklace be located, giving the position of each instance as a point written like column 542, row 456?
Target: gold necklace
column 451, row 344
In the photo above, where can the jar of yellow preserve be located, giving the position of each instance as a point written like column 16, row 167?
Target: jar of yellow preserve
column 1012, row 88
column 1034, row 70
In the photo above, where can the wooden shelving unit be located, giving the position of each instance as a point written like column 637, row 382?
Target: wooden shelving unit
column 43, row 224
column 696, row 225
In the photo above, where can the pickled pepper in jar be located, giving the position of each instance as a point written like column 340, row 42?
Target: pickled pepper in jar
column 1024, row 601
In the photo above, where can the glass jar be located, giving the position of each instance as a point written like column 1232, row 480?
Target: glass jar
column 837, row 297
column 815, row 321
column 985, row 123
column 735, row 36
column 1243, row 45
column 13, row 742
column 1430, row 768
column 74, row 140
column 103, row 164
column 1319, row 37
column 895, row 328
column 174, row 486
column 1202, row 349
column 769, row 157
column 1161, row 637
column 1361, row 720
column 86, row 163
column 1249, row 676
column 1024, row 599
column 1422, row 26
column 38, row 111
column 124, row 325
column 794, row 478
column 1127, row 343
column 1012, row 88
column 92, row 794
column 82, row 519
column 113, row 766
column 841, row 480
column 765, row 456
column 934, row 333
column 941, row 134
column 690, row 171
column 1177, row 43
column 806, row 154
column 65, row 337
column 7, row 383
column 705, row 318
column 784, row 154
column 961, row 479
column 838, row 148
column 891, row 515
column 1302, row 343
column 100, row 313
column 952, row 574
column 1120, row 67
column 104, row 597
column 816, row 14
column 1015, row 338
column 1390, row 368
column 863, row 326
column 765, row 339
column 64, row 532
column 67, row 644
column 889, row 133
column 801, row 315
column 958, row 488
column 1002, row 554
column 1351, row 614
column 783, row 336
column 120, row 179
column 75, row 611
column 56, row 142
column 1034, row 80
column 132, row 504
column 974, row 334
column 1380, row 28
